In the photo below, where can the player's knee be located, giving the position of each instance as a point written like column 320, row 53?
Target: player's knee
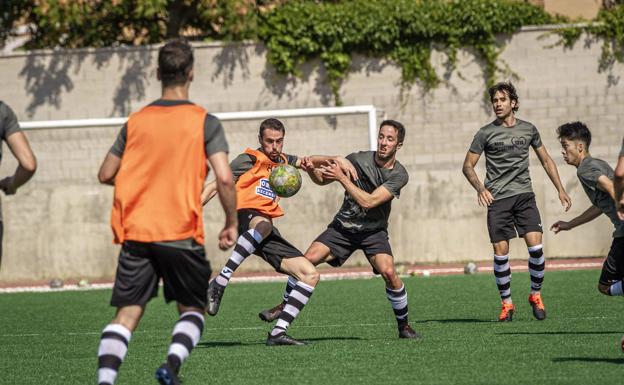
column 388, row 273
column 264, row 228
column 604, row 289
column 311, row 277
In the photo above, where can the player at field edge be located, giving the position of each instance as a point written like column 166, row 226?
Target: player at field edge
column 158, row 166
column 508, row 194
column 15, row 138
column 597, row 179
column 257, row 207
column 362, row 221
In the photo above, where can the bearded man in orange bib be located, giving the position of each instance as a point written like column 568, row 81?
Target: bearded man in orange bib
column 257, row 206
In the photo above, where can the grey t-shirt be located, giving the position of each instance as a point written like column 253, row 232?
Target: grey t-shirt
column 507, row 156
column 8, row 123
column 588, row 173
column 244, row 162
column 351, row 216
column 214, row 135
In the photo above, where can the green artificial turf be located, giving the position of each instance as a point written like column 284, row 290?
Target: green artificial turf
column 52, row 338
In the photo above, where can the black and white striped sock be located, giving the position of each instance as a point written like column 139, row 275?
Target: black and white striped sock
column 537, row 264
column 297, row 299
column 502, row 272
column 113, row 348
column 246, row 244
column 186, row 334
column 398, row 300
column 289, row 286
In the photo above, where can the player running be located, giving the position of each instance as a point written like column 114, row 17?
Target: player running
column 362, row 221
column 257, row 206
column 508, row 194
column 596, row 177
column 158, row 167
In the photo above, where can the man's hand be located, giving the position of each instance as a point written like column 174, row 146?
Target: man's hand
column 620, row 208
column 560, row 226
column 347, row 168
column 565, row 200
column 7, row 185
column 228, row 236
column 306, row 164
column 484, row 197
column 332, row 171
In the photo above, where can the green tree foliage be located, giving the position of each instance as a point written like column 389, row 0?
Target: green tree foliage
column 404, row 31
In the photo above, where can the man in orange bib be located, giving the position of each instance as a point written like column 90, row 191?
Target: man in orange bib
column 158, row 166
column 257, row 205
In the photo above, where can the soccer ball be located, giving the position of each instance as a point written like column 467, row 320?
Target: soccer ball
column 285, row 180
column 470, row 268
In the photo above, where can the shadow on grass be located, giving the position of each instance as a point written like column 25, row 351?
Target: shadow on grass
column 589, row 359
column 456, row 320
column 558, row 333
column 227, row 344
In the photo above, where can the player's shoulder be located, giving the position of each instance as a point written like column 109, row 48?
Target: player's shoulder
column 5, row 109
column 521, row 123
column 361, row 156
column 400, row 169
column 592, row 165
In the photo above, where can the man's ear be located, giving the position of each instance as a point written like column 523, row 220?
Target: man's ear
column 191, row 74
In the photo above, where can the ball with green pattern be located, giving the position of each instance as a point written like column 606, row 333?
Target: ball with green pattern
column 285, row 180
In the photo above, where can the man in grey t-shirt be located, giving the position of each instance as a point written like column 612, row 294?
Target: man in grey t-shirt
column 596, row 177
column 508, row 194
column 11, row 133
column 362, row 221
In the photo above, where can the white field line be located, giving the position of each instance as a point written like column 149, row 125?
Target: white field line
column 325, row 276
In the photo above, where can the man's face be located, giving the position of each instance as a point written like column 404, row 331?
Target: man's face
column 271, row 142
column 387, row 143
column 502, row 105
column 571, row 151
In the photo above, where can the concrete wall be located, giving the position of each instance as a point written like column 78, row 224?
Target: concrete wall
column 57, row 225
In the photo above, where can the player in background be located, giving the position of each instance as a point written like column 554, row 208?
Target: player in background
column 15, row 138
column 258, row 206
column 618, row 182
column 508, row 194
column 158, row 166
column 362, row 221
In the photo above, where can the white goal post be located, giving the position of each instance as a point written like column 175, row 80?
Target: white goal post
column 370, row 110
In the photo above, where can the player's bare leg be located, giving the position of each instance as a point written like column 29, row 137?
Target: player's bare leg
column 317, row 253
column 395, row 291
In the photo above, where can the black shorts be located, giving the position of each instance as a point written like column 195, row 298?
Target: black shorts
column 507, row 216
column 343, row 243
column 273, row 248
column 613, row 266
column 185, row 274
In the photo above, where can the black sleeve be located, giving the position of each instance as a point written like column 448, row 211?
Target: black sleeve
column 214, row 136
column 120, row 143
column 292, row 160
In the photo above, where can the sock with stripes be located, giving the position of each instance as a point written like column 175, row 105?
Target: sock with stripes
column 186, row 334
column 246, row 244
column 502, row 272
column 289, row 286
column 113, row 348
column 536, row 267
column 616, row 289
column 297, row 299
column 398, row 300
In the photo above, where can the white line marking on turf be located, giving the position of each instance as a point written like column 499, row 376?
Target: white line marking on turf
column 325, row 276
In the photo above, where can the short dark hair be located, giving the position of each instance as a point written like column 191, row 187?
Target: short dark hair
column 575, row 131
column 273, row 124
column 507, row 88
column 398, row 126
column 175, row 61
